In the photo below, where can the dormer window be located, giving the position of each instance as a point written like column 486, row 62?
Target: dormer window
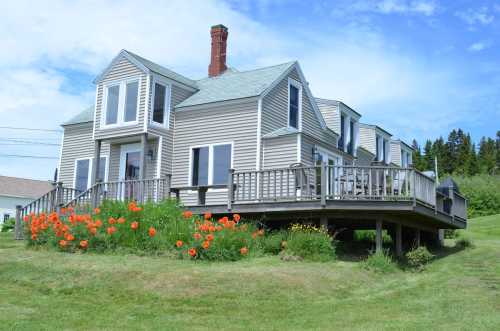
column 161, row 102
column 294, row 103
column 121, row 103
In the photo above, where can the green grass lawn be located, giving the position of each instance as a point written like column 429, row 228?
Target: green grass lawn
column 45, row 290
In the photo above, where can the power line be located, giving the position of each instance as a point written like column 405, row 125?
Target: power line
column 29, row 129
column 29, row 156
column 29, row 142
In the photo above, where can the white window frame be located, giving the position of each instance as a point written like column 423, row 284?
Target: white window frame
column 166, row 106
column 91, row 163
column 298, row 85
column 210, row 160
column 120, row 118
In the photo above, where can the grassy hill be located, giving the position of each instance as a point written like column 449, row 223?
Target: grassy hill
column 49, row 290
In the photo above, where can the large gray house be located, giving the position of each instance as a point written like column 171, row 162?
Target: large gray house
column 255, row 142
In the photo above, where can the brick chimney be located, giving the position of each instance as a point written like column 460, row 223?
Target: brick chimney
column 218, row 56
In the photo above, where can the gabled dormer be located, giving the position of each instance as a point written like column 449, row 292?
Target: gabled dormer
column 377, row 141
column 343, row 120
column 134, row 95
column 401, row 153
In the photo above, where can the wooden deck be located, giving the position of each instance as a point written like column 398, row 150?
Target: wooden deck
column 358, row 197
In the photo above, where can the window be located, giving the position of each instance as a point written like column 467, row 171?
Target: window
column 350, row 146
column 83, row 173
column 200, row 166
column 293, row 111
column 160, row 105
column 121, row 102
column 377, row 149
column 222, row 163
column 131, row 101
column 384, row 150
column 408, row 159
column 210, row 164
column 342, row 132
column 113, row 97
column 6, row 217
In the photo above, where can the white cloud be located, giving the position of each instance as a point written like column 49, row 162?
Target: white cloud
column 481, row 16
column 477, row 47
column 420, row 7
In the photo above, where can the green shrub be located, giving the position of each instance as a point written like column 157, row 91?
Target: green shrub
column 309, row 243
column 8, row 225
column 482, row 194
column 450, row 233
column 272, row 243
column 464, row 242
column 369, row 236
column 419, row 257
column 380, row 262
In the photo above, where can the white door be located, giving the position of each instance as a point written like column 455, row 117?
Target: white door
column 130, row 167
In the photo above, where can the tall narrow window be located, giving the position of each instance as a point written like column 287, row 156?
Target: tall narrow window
column 113, row 97
column 159, row 104
column 101, row 174
column 293, row 112
column 377, row 149
column 384, row 150
column 350, row 146
column 342, row 132
column 82, row 174
column 403, row 159
column 200, row 166
column 131, row 101
column 222, row 163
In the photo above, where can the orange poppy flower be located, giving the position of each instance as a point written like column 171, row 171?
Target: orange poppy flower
column 244, row 251
column 254, row 235
column 152, row 232
column 207, row 215
column 97, row 211
column 98, row 223
column 26, row 218
column 63, row 211
column 92, row 230
column 206, row 244
column 179, row 243
column 210, row 237
column 121, row 220
column 63, row 243
column 111, row 220
column 192, row 252
column 187, row 214
column 197, row 236
column 84, row 244
column 111, row 230
column 134, row 225
column 33, row 236
column 69, row 237
column 236, row 218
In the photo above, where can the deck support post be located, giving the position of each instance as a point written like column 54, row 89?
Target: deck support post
column 323, row 222
column 440, row 236
column 142, row 162
column 18, row 227
column 417, row 238
column 399, row 240
column 95, row 164
column 378, row 237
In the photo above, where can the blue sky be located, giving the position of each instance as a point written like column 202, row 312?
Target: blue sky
column 418, row 68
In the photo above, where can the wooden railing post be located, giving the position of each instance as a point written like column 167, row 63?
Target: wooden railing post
column 230, row 189
column 18, row 227
column 451, row 193
column 414, row 187
column 323, row 184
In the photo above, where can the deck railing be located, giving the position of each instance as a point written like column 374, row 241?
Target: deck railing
column 459, row 206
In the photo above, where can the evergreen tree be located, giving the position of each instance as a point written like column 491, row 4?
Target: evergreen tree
column 487, row 157
column 418, row 161
column 498, row 152
column 428, row 161
column 441, row 152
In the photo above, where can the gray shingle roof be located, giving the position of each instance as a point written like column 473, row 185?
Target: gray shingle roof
column 280, row 132
column 86, row 115
column 163, row 71
column 23, row 187
column 235, row 85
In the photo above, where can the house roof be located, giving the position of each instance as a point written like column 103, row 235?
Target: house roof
column 399, row 141
column 335, row 103
column 86, row 115
column 280, row 132
column 164, row 71
column 234, row 84
column 375, row 127
column 23, row 187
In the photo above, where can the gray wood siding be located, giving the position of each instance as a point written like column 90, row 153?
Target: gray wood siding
column 367, row 138
column 279, row 152
column 396, row 152
column 331, row 115
column 235, row 123
column 77, row 144
column 123, row 69
column 115, row 152
column 307, row 146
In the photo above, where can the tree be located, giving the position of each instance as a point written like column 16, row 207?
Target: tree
column 428, row 161
column 487, row 157
column 418, row 161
